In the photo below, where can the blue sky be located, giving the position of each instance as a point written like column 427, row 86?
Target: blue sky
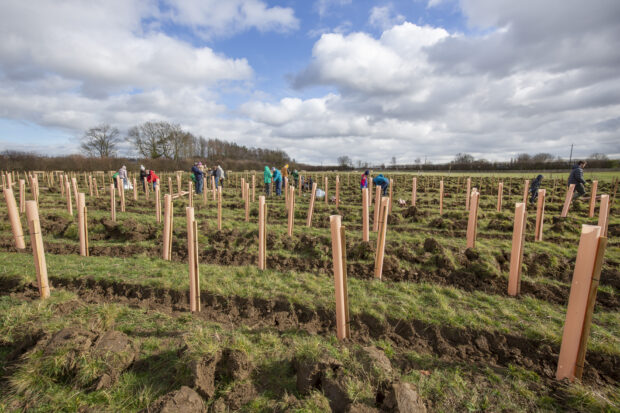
column 318, row 79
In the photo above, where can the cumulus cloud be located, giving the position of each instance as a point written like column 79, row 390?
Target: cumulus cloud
column 323, row 6
column 384, row 17
column 214, row 17
column 540, row 77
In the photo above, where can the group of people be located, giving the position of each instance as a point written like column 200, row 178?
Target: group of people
column 276, row 176
column 150, row 176
column 199, row 171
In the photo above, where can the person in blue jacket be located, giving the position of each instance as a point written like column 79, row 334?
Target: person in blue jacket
column 576, row 177
column 277, row 180
column 383, row 182
column 198, row 175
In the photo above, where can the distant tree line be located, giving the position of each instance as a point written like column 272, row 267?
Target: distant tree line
column 165, row 140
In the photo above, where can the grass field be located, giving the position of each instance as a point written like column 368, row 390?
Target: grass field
column 117, row 334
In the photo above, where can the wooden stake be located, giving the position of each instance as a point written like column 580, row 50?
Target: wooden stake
column 254, row 188
column 390, row 196
column 500, row 190
column 578, row 301
column 36, row 240
column 147, row 189
column 112, row 204
column 204, row 190
column 68, row 196
column 90, row 186
column 468, row 194
column 326, row 190
column 16, row 224
column 169, row 185
column 22, row 196
column 472, row 223
column 262, row 229
column 337, row 191
column 341, row 328
column 158, row 204
column 121, row 185
column 219, row 208
column 375, row 222
column 593, row 198
column 311, row 207
column 345, row 289
column 414, row 190
column 567, row 200
column 82, row 224
column 441, row 197
column 291, row 210
column 603, row 214
column 540, row 215
column 190, row 193
column 365, row 218
column 526, row 189
column 192, row 254
column 135, row 190
column 381, row 236
column 583, row 342
column 516, row 254
column 168, row 221
column 247, row 202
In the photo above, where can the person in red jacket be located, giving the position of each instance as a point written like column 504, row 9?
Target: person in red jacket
column 152, row 178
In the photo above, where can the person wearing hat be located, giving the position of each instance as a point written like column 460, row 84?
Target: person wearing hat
column 143, row 176
column 198, row 176
column 364, row 180
column 576, row 177
column 122, row 173
column 534, row 187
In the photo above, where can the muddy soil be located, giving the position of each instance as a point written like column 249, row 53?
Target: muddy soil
column 446, row 342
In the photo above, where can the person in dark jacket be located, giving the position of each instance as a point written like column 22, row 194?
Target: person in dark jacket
column 383, row 182
column 576, row 177
column 277, row 180
column 143, row 176
column 534, row 187
column 198, row 176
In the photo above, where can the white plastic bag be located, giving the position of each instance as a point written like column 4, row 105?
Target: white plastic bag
column 319, row 193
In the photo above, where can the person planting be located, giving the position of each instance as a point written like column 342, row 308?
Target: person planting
column 277, row 180
column 576, row 177
column 364, row 180
column 534, row 187
column 152, row 178
column 197, row 176
column 267, row 177
column 383, row 182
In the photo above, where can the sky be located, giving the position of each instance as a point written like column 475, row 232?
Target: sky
column 319, row 79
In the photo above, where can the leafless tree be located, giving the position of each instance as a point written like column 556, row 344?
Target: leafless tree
column 460, row 158
column 101, row 141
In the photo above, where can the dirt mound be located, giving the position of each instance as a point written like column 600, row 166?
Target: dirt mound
column 128, row 230
column 325, row 375
column 360, row 251
column 431, row 245
column 182, row 400
column 73, row 351
column 413, row 213
column 234, row 365
column 403, row 397
column 55, row 225
column 203, row 375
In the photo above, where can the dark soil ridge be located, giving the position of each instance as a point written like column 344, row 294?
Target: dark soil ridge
column 464, row 279
column 446, row 342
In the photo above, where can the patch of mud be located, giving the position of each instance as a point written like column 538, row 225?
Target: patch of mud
column 448, row 343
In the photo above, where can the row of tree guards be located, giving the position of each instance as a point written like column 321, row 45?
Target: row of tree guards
column 583, row 289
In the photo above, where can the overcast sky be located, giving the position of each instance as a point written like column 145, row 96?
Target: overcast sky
column 370, row 79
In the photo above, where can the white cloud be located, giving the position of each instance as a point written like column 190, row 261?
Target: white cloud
column 384, row 18
column 215, row 17
column 322, row 6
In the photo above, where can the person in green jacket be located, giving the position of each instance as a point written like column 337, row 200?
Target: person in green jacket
column 268, row 177
column 295, row 176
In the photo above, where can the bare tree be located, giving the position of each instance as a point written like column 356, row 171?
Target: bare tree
column 345, row 161
column 598, row 157
column 151, row 139
column 463, row 158
column 101, row 141
column 542, row 157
